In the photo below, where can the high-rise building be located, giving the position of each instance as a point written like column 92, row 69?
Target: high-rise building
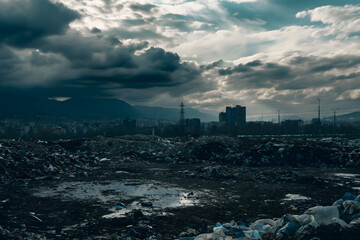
column 192, row 126
column 222, row 119
column 234, row 116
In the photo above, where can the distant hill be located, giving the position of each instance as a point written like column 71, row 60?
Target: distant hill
column 172, row 113
column 350, row 117
column 292, row 117
column 87, row 108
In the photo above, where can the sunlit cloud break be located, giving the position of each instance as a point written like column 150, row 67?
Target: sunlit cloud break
column 262, row 54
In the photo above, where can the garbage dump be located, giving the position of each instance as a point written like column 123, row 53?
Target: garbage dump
column 255, row 180
column 271, row 152
column 21, row 159
column 30, row 159
column 339, row 221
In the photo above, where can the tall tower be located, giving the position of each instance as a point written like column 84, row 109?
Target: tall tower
column 319, row 111
column 278, row 116
column 182, row 118
column 334, row 109
column 319, row 121
column 182, row 114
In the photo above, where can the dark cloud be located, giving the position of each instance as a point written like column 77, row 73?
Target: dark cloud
column 298, row 73
column 95, row 30
column 338, row 62
column 38, row 59
column 97, row 65
column 142, row 34
column 142, row 7
column 154, row 68
column 274, row 14
column 255, row 63
column 345, row 77
column 325, row 64
column 67, row 63
column 237, row 69
column 108, row 6
column 8, row 62
column 180, row 22
column 91, row 52
column 213, row 65
column 113, row 40
column 248, row 67
column 136, row 80
column 133, row 22
column 184, row 23
column 157, row 58
column 39, row 54
column 183, row 26
column 23, row 22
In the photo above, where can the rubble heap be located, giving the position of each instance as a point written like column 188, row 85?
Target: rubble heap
column 21, row 159
column 271, row 152
column 30, row 159
column 339, row 221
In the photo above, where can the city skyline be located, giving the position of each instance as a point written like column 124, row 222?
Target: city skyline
column 266, row 55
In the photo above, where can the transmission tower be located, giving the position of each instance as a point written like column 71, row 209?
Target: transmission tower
column 182, row 118
column 318, row 111
column 319, row 122
column 182, row 114
column 334, row 110
column 278, row 116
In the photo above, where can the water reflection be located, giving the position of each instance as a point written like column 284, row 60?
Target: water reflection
column 108, row 193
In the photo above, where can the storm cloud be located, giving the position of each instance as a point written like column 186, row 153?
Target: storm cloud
column 66, row 59
column 263, row 54
column 24, row 21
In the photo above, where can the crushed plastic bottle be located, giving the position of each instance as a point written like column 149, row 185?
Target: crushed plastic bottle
column 323, row 214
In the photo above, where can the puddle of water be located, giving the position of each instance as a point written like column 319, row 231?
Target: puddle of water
column 354, row 177
column 347, row 175
column 295, row 197
column 160, row 197
column 156, row 209
column 125, row 210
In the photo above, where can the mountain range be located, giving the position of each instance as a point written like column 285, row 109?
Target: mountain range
column 27, row 107
column 349, row 117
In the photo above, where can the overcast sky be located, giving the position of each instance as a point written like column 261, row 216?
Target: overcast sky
column 264, row 54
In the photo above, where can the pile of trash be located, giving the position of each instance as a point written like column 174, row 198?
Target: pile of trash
column 339, row 221
column 19, row 234
column 20, row 159
column 273, row 175
column 211, row 148
column 327, row 152
column 270, row 152
column 32, row 159
column 134, row 148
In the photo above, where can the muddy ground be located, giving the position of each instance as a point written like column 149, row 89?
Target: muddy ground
column 165, row 198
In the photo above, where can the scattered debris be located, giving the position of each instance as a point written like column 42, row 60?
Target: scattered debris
column 27, row 159
column 121, row 165
column 343, row 217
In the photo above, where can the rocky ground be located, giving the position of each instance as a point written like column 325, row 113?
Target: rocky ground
column 165, row 188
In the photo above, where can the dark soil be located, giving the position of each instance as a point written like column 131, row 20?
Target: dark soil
column 248, row 195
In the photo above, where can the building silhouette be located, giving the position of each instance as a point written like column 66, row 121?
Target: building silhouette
column 233, row 116
column 222, row 119
column 193, row 126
